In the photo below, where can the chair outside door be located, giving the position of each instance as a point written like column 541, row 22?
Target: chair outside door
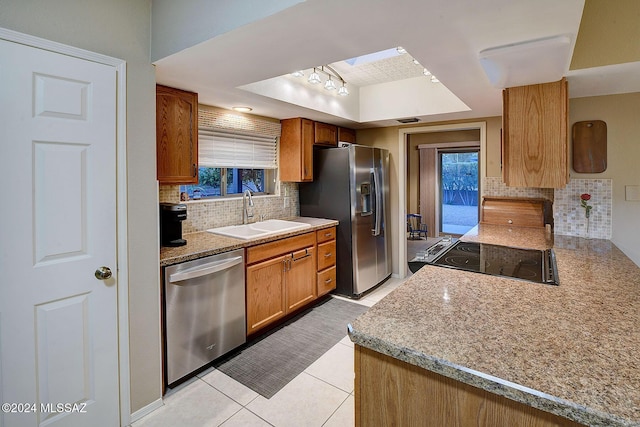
column 415, row 227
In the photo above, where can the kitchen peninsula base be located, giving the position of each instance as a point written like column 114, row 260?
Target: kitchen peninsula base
column 389, row 391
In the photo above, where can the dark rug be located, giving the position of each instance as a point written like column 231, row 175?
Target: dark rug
column 269, row 363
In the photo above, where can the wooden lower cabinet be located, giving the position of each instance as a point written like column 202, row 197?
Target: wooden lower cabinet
column 281, row 278
column 265, row 293
column 390, row 392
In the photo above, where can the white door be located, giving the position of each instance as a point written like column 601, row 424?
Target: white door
column 58, row 322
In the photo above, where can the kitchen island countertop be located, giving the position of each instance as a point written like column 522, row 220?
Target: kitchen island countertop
column 572, row 350
column 203, row 243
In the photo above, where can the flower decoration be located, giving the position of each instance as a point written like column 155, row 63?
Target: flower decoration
column 584, row 198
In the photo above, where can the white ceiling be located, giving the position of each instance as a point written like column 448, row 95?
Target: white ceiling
column 445, row 36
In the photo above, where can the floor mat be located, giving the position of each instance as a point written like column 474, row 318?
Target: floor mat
column 267, row 365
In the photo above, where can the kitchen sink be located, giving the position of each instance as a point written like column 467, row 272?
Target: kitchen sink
column 259, row 229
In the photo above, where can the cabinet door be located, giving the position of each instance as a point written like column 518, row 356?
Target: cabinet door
column 176, row 136
column 346, row 135
column 265, row 293
column 296, row 150
column 326, row 134
column 301, row 278
column 535, row 147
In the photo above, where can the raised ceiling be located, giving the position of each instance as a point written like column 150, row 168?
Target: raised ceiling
column 243, row 65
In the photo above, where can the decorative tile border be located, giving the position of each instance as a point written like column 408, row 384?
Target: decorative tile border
column 569, row 216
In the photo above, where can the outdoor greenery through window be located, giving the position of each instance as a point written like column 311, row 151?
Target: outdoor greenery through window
column 232, row 162
column 216, row 182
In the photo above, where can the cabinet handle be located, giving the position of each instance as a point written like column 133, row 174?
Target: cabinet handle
column 328, row 234
column 328, row 254
column 306, row 254
column 195, row 170
column 328, row 281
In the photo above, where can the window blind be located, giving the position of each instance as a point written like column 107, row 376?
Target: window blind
column 227, row 149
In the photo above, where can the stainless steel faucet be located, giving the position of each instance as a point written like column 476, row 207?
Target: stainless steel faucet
column 245, row 213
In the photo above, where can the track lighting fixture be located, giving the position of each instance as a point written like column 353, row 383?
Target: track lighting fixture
column 330, row 84
column 314, row 78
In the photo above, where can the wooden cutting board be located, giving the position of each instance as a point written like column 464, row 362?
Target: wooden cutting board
column 590, row 146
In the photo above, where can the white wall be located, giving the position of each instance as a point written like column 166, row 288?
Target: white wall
column 205, row 19
column 121, row 29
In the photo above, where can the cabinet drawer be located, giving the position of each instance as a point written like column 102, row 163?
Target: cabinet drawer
column 279, row 247
column 326, row 254
column 326, row 280
column 326, row 234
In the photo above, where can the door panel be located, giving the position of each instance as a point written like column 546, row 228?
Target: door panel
column 58, row 336
column 364, row 243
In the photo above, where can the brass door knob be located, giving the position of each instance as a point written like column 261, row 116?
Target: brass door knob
column 103, row 273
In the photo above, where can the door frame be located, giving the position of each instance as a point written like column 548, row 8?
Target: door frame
column 121, row 194
column 403, row 134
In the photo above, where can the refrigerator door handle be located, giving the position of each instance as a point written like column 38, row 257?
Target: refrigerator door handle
column 377, row 191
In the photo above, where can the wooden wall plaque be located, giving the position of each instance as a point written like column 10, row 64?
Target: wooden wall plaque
column 589, row 146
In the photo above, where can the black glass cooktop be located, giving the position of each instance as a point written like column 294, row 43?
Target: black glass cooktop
column 525, row 264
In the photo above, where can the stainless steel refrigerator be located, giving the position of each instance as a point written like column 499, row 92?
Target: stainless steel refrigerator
column 351, row 185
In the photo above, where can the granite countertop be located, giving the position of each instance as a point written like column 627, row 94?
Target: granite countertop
column 203, row 243
column 572, row 350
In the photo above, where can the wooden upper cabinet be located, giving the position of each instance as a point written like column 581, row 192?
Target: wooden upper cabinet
column 326, row 134
column 535, row 135
column 176, row 136
column 346, row 135
column 296, row 150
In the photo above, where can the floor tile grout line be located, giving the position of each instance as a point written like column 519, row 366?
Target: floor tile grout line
column 333, row 413
column 326, row 382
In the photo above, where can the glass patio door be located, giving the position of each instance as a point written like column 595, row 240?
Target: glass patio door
column 459, row 175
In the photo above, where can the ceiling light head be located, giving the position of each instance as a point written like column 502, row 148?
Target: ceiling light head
column 298, row 73
column 329, row 84
column 242, row 109
column 434, row 79
column 401, row 50
column 415, row 61
column 426, row 72
column 343, row 91
column 314, row 78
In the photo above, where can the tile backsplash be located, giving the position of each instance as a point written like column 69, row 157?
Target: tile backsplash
column 493, row 186
column 205, row 214
column 569, row 215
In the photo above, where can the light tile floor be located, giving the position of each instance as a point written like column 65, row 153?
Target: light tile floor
column 322, row 395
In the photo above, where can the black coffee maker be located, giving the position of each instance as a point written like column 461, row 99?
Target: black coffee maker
column 171, row 217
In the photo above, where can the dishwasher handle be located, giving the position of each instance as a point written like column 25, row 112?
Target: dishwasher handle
column 205, row 269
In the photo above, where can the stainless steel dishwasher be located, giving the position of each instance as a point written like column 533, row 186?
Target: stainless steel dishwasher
column 204, row 312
